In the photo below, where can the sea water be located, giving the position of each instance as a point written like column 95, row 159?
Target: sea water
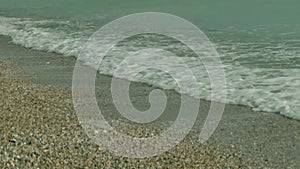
column 258, row 42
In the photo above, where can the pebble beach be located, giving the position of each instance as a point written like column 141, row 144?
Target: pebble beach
column 39, row 127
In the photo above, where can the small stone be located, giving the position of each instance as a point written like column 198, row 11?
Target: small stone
column 12, row 140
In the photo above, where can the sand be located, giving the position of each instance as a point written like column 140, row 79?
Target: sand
column 39, row 127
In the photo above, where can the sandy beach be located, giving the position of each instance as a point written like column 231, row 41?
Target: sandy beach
column 39, row 127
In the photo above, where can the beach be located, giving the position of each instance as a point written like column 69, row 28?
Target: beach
column 39, row 127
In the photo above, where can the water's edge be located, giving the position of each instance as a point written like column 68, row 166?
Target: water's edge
column 260, row 73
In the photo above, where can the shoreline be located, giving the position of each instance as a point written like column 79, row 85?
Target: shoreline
column 268, row 139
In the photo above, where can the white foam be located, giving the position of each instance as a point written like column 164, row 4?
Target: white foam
column 63, row 37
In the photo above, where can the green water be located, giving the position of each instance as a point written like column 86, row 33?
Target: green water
column 203, row 13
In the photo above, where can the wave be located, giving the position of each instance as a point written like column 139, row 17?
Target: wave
column 52, row 35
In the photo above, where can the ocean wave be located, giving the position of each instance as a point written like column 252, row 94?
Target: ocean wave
column 53, row 35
